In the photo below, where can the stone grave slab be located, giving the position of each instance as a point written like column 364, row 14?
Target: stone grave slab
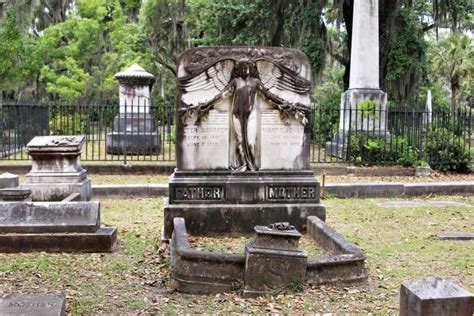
column 54, row 227
column 440, row 204
column 456, row 236
column 435, row 297
column 243, row 141
column 33, row 305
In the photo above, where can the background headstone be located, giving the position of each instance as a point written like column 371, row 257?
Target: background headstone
column 134, row 130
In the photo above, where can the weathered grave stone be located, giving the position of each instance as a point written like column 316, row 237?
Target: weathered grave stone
column 434, row 297
column 134, row 130
column 364, row 83
column 9, row 180
column 33, row 305
column 56, row 171
column 10, row 189
column 53, row 227
column 273, row 260
column 456, row 236
column 243, row 140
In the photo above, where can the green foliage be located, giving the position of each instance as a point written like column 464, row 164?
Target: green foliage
column 447, row 152
column 372, row 149
column 367, row 107
column 407, row 64
column 67, row 125
column 326, row 117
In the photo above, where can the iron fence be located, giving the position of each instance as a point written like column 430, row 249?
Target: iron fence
column 147, row 133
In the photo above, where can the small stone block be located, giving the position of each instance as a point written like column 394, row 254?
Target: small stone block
column 34, row 305
column 434, row 296
column 9, row 180
column 456, row 236
column 15, row 194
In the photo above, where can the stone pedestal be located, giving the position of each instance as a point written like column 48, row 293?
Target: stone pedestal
column 435, row 297
column 273, row 260
column 9, row 180
column 354, row 120
column 56, row 171
column 134, row 130
column 134, row 134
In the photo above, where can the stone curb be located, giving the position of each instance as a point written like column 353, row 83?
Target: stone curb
column 339, row 190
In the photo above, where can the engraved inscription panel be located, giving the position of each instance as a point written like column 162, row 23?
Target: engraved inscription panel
column 285, row 192
column 206, row 143
column 281, row 142
column 198, row 193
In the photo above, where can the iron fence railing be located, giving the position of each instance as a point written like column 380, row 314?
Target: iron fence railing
column 147, row 133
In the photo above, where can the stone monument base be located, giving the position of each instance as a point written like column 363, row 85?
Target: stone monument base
column 133, row 143
column 60, row 191
column 54, row 227
column 134, row 133
column 354, row 119
column 227, row 202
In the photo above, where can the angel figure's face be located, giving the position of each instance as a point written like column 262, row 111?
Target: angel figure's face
column 245, row 68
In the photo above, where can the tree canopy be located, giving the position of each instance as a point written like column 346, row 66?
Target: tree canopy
column 69, row 50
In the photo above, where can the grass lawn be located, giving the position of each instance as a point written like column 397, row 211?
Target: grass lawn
column 399, row 245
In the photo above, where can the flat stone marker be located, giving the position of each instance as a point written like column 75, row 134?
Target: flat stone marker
column 8, row 180
column 31, row 304
column 456, row 236
column 434, row 296
column 440, row 204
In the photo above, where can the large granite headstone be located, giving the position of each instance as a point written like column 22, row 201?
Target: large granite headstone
column 56, row 170
column 134, row 130
column 33, row 305
column 243, row 140
column 434, row 297
column 364, row 82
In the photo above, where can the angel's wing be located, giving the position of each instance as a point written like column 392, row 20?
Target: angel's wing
column 283, row 83
column 206, row 85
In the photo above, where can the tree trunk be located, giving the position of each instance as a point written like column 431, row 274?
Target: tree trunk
column 453, row 98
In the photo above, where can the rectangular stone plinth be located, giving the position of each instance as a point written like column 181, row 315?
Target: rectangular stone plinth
column 15, row 194
column 134, row 143
column 204, row 219
column 102, row 240
column 271, row 269
column 33, row 304
column 77, row 217
column 434, row 296
column 60, row 191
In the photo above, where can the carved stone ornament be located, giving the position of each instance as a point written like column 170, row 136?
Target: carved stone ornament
column 279, row 76
column 282, row 226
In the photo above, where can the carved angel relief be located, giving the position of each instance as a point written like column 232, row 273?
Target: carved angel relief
column 243, row 79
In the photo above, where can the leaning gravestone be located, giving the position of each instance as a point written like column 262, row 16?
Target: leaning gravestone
column 243, row 140
column 33, row 305
column 56, row 171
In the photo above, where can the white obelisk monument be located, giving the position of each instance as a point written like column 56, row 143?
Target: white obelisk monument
column 364, row 81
